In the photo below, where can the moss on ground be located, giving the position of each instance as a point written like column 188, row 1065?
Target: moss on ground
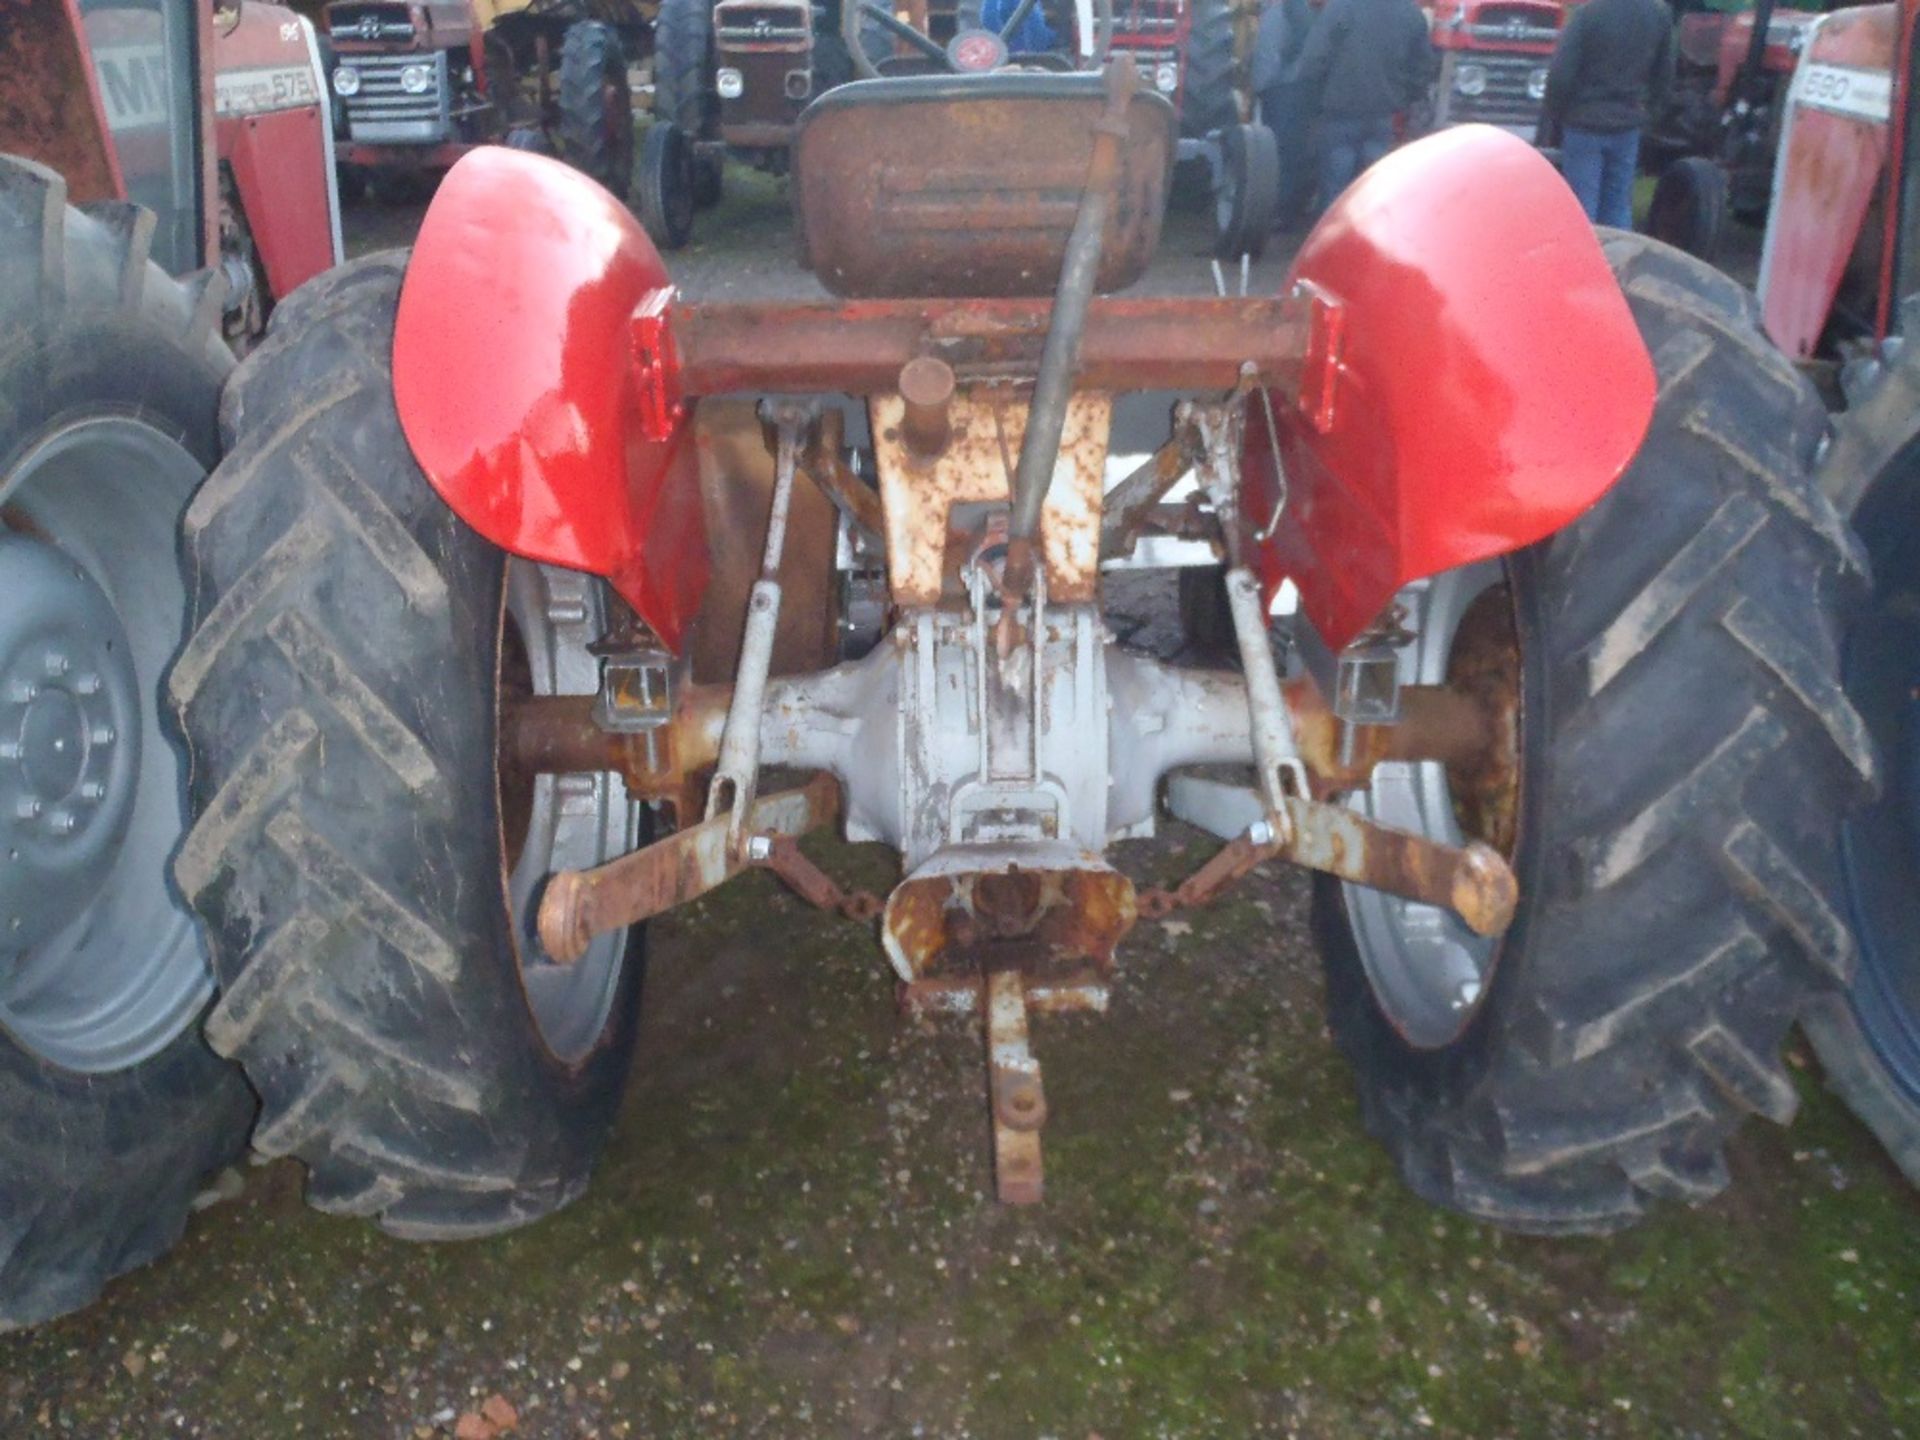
column 791, row 1234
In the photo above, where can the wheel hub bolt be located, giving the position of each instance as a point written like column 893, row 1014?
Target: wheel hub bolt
column 102, row 735
column 21, row 691
column 92, row 790
column 61, row 822
column 28, row 809
column 56, row 664
column 87, row 684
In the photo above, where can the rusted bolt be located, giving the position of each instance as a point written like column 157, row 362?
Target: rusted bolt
column 926, row 385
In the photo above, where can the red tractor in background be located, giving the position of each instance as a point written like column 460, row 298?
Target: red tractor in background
column 1493, row 61
column 417, row 86
column 733, row 79
column 1713, row 149
column 165, row 180
column 1839, row 272
column 534, row 631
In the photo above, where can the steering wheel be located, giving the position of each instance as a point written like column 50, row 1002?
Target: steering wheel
column 854, row 12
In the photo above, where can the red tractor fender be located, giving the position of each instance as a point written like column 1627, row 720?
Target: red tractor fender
column 1834, row 142
column 1473, row 380
column 537, row 383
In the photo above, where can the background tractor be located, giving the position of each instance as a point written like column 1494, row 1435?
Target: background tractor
column 734, row 78
column 165, row 178
column 535, row 632
column 1713, row 150
column 1493, row 61
column 1838, row 275
column 417, row 86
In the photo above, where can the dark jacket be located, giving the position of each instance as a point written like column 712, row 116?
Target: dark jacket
column 1284, row 27
column 1612, row 67
column 1366, row 59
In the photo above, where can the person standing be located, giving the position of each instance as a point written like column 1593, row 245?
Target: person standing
column 1284, row 27
column 1364, row 62
column 1610, row 73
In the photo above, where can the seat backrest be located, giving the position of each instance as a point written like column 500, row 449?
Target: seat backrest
column 967, row 185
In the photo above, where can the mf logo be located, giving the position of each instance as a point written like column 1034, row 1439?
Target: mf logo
column 369, row 27
column 133, row 86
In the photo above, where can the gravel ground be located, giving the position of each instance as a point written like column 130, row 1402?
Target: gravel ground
column 792, row 1235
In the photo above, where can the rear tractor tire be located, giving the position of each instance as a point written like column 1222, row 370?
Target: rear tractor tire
column 596, row 105
column 1683, row 761
column 112, row 1108
column 1689, row 206
column 366, row 869
column 1868, row 1040
column 683, row 92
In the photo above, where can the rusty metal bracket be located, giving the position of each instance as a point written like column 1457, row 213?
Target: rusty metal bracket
column 781, row 854
column 1015, row 1092
column 1472, row 881
column 1131, row 504
column 580, row 904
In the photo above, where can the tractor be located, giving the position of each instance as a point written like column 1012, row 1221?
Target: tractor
column 565, row 609
column 735, row 78
column 417, row 86
column 1839, row 270
column 1493, row 61
column 1713, row 148
column 165, row 179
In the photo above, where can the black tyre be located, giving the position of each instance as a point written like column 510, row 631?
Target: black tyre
column 1207, row 98
column 112, row 1108
column 1689, row 206
column 666, row 185
column 1869, row 1039
column 1246, row 191
column 596, row 105
column 1684, row 758
column 365, row 870
column 683, row 91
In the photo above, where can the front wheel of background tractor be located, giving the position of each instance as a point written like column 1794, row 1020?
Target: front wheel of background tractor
column 1684, row 757
column 596, row 105
column 666, row 185
column 112, row 1109
column 1689, row 206
column 365, row 865
column 1869, row 1039
column 1246, row 191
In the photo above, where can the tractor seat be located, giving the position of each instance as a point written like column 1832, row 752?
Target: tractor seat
column 967, row 185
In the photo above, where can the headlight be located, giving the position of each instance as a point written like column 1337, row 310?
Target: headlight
column 1470, row 80
column 346, row 82
column 1166, row 79
column 416, row 79
column 1537, row 83
column 730, row 83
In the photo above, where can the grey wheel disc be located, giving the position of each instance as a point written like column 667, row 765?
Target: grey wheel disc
column 1428, row 970
column 100, row 968
column 574, row 822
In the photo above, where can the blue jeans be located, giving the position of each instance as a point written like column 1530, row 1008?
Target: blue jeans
column 1284, row 111
column 1346, row 148
column 1600, row 168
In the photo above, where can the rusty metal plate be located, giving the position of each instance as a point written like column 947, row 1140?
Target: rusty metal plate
column 968, row 185
column 986, row 424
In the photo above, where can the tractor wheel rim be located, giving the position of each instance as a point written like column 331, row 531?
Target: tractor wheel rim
column 572, row 822
column 1429, row 972
column 100, row 966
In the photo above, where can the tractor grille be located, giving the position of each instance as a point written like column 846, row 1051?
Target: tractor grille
column 1145, row 19
column 1505, row 101
column 1515, row 24
column 383, row 113
column 368, row 22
